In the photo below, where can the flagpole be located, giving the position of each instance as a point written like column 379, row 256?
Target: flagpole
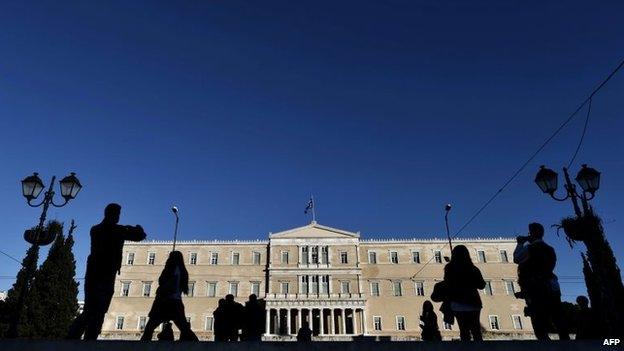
column 313, row 209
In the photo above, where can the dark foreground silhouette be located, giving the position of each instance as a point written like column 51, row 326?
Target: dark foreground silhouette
column 103, row 263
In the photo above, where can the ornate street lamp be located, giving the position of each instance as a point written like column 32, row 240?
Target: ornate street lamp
column 32, row 186
column 589, row 179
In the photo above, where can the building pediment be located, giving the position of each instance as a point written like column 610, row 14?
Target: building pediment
column 314, row 230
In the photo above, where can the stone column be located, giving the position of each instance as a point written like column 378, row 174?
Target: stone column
column 278, row 327
column 311, row 318
column 298, row 320
column 344, row 321
column 322, row 318
column 289, row 327
column 356, row 326
column 363, row 322
column 332, row 322
column 268, row 322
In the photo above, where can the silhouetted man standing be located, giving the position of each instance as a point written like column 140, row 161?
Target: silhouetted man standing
column 253, row 326
column 539, row 285
column 103, row 263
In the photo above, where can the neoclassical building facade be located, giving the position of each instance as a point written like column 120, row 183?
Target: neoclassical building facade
column 341, row 285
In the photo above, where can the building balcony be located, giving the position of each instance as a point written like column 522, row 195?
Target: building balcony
column 316, row 296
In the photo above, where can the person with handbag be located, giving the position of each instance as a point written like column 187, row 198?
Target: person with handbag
column 462, row 280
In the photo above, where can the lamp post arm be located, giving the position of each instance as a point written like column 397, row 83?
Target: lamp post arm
column 61, row 205
column 559, row 199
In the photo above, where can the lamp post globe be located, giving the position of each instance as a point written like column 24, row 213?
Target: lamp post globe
column 589, row 179
column 32, row 186
column 70, row 186
column 546, row 179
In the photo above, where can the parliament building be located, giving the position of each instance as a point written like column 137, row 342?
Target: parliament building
column 343, row 286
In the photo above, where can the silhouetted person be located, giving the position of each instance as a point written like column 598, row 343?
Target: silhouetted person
column 429, row 323
column 539, row 285
column 166, row 334
column 304, row 334
column 588, row 325
column 168, row 306
column 463, row 280
column 103, row 263
column 234, row 314
column 220, row 324
column 254, row 319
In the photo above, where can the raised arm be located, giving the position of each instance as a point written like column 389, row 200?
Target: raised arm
column 134, row 233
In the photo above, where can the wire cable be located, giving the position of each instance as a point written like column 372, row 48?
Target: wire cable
column 578, row 147
column 534, row 154
column 11, row 257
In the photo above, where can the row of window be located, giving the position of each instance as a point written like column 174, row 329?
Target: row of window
column 311, row 284
column 211, row 288
column 516, row 320
column 437, row 257
column 214, row 258
column 419, row 288
column 310, row 254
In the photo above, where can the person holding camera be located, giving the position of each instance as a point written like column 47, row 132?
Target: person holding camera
column 538, row 283
column 103, row 264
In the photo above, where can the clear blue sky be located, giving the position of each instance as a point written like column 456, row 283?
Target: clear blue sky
column 238, row 111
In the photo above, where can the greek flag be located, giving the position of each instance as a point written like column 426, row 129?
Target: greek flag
column 309, row 206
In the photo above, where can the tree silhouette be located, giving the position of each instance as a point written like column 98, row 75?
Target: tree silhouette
column 13, row 307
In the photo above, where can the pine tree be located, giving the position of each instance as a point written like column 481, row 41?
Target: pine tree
column 52, row 302
column 14, row 308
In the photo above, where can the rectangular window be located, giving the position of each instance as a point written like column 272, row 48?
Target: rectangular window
column 325, row 254
column 494, row 323
column 503, row 256
column 394, row 257
column 284, row 287
column 233, row 290
column 285, row 257
column 120, row 322
column 488, row 288
column 142, row 323
column 255, row 288
column 372, row 257
column 147, row 289
column 400, row 322
column 448, row 326
column 314, row 286
column 256, row 258
column 420, row 288
column 377, row 323
column 415, row 257
column 151, row 258
column 517, row 321
column 304, row 255
column 315, row 254
column 125, row 288
column 191, row 286
column 235, row 258
column 437, row 254
column 325, row 284
column 304, row 284
column 344, row 259
column 396, row 288
column 344, row 287
column 188, row 320
column 211, row 289
column 481, row 256
column 209, row 323
column 130, row 260
column 214, row 258
column 509, row 287
column 193, row 258
column 374, row 286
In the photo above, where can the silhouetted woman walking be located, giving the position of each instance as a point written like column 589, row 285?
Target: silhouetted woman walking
column 463, row 280
column 173, row 281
